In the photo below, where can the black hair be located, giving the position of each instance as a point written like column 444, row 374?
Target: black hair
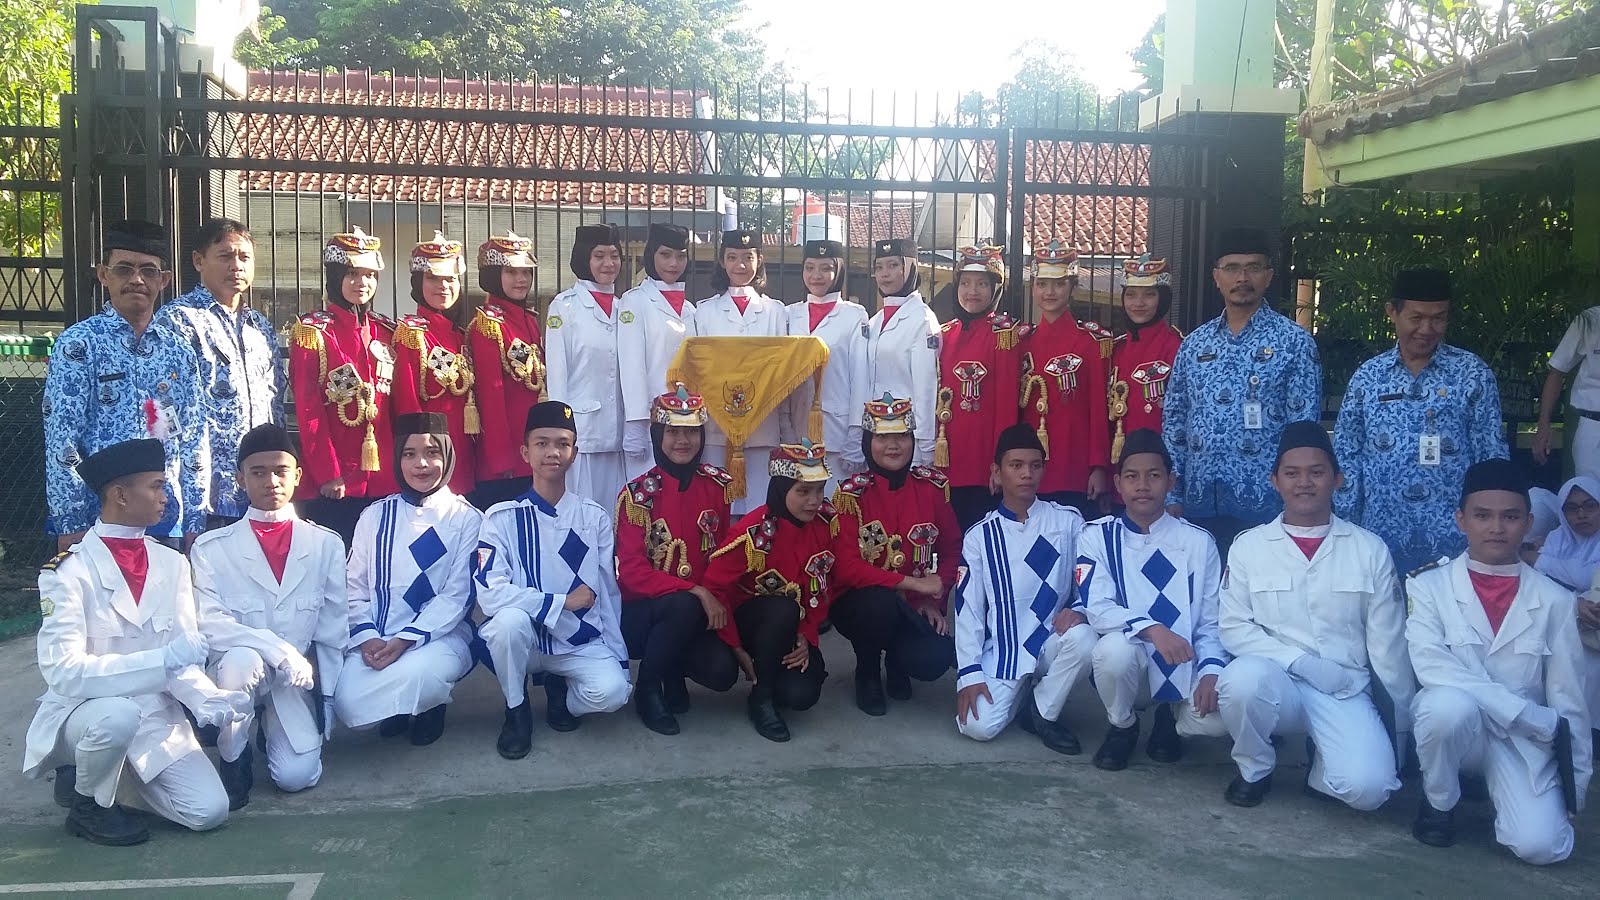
column 1166, row 461
column 214, row 230
column 719, row 275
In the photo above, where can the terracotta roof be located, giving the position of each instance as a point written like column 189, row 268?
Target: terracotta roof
column 1097, row 225
column 380, row 139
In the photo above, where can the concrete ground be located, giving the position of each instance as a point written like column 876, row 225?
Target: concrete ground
column 854, row 806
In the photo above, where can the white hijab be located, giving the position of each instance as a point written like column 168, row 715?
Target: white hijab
column 1566, row 557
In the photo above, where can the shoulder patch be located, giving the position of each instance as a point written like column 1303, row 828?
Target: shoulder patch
column 721, row 477
column 317, row 318
column 933, row 342
column 414, row 321
column 492, row 311
column 308, row 328
column 54, row 561
column 488, row 321
column 856, row 485
column 947, row 326
column 1428, row 567
column 410, row 331
column 931, row 475
column 381, row 319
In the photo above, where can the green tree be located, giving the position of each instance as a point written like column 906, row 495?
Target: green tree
column 271, row 46
column 1046, row 90
column 35, row 69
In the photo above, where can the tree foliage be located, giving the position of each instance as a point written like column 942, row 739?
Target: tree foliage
column 35, row 69
column 1046, row 90
column 271, row 47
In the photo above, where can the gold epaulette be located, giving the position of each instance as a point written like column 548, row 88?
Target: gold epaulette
column 1428, row 567
column 934, row 477
column 847, row 496
column 409, row 331
column 722, row 478
column 307, row 329
column 50, row 565
column 488, row 322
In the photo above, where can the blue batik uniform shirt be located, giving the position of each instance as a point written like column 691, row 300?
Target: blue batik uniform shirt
column 1385, row 414
column 105, row 385
column 242, row 379
column 1223, row 467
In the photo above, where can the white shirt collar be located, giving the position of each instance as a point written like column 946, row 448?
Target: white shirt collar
column 1510, row 569
column 286, row 514
column 108, row 530
column 1308, row 531
column 830, row 298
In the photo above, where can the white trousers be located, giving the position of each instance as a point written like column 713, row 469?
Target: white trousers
column 188, row 792
column 1355, row 761
column 599, row 476
column 1121, row 675
column 1591, row 682
column 1451, row 738
column 1063, row 661
column 594, row 684
column 416, row 682
column 1585, row 447
column 243, row 669
column 756, row 477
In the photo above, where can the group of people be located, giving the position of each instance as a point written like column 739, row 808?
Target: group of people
column 1022, row 503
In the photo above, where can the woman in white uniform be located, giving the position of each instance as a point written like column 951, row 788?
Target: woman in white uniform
column 409, row 583
column 740, row 309
column 583, row 367
column 662, row 318
column 903, row 341
column 842, row 325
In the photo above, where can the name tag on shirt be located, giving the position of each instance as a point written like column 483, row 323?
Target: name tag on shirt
column 1205, row 357
column 1387, row 398
column 1428, row 450
column 113, row 376
column 1252, row 415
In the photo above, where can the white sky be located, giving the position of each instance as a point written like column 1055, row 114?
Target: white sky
column 945, row 45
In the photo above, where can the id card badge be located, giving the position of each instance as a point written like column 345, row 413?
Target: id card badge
column 1252, row 415
column 1428, row 450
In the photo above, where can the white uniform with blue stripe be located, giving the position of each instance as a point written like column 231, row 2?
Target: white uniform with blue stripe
column 1018, row 576
column 530, row 555
column 1133, row 580
column 409, row 576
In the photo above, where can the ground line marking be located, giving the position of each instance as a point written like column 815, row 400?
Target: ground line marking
column 303, row 884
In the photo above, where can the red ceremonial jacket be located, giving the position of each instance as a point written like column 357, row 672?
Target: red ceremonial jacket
column 665, row 536
column 1140, row 366
column 979, row 381
column 341, row 370
column 1064, row 369
column 910, row 531
column 806, row 562
column 432, row 373
column 509, row 368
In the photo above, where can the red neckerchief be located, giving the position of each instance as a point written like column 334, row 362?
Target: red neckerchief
column 819, row 311
column 1495, row 592
column 605, row 300
column 1307, row 545
column 274, row 539
column 676, row 299
column 133, row 559
column 740, row 300
column 889, row 311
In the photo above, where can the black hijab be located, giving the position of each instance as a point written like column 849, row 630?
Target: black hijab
column 334, row 283
column 411, row 494
column 778, row 500
column 967, row 318
column 1163, row 306
column 684, row 472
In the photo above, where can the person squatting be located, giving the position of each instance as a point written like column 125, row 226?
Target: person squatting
column 1027, row 505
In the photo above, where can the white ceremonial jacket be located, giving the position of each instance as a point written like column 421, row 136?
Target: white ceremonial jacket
column 1131, row 580
column 409, row 573
column 904, row 362
column 846, row 380
column 1343, row 605
column 1018, row 576
column 532, row 554
column 96, row 642
column 1535, row 658
column 763, row 317
column 653, row 336
column 243, row 605
column 583, row 368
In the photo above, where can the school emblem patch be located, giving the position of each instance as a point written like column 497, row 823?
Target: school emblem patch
column 46, row 607
column 627, row 317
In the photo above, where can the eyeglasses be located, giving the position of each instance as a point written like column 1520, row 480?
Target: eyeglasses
column 1235, row 269
column 1587, row 506
column 125, row 271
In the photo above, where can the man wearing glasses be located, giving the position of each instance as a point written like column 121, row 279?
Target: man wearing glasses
column 119, row 376
column 1413, row 419
column 1236, row 382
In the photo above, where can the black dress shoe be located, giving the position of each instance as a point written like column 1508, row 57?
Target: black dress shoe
column 676, row 690
column 764, row 716
column 896, row 682
column 394, row 726
column 516, row 735
column 869, row 692
column 426, row 726
column 97, row 824
column 66, row 786
column 556, row 713
column 1164, row 746
column 1117, row 747
column 238, row 777
column 650, row 702
column 1247, row 793
column 1054, row 735
column 1434, row 827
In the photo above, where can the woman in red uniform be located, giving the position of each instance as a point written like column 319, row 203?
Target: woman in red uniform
column 980, row 374
column 778, row 574
column 901, row 519
column 668, row 521
column 432, row 369
column 1142, row 358
column 509, row 370
column 340, row 364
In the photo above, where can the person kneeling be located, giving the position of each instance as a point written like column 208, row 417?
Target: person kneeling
column 549, row 592
column 262, row 618
column 1495, row 646
column 408, row 582
column 1017, row 614
column 1311, row 602
column 779, row 575
column 1150, row 582
column 120, row 653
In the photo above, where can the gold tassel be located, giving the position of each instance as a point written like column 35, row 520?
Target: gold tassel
column 941, row 444
column 814, row 419
column 845, row 503
column 1006, row 339
column 1116, row 444
column 736, row 488
column 633, row 512
column 474, row 424
column 728, row 494
column 1044, row 438
column 306, row 337
column 369, row 451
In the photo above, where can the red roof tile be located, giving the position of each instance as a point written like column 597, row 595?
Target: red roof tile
column 1102, row 226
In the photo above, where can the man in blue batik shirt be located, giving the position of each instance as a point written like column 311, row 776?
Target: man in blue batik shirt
column 1413, row 420
column 241, row 376
column 119, row 376
column 1237, row 381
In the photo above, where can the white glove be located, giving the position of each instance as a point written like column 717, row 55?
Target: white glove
column 1325, row 675
column 636, row 438
column 1537, row 722
column 851, row 451
column 222, row 707
column 296, row 672
column 187, row 649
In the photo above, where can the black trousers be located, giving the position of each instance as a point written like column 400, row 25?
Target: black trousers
column 669, row 638
column 971, row 504
column 768, row 628
column 338, row 515
column 488, row 493
column 879, row 621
